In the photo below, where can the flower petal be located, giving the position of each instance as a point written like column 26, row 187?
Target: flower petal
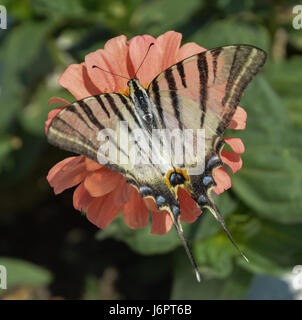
column 135, row 212
column 222, row 180
column 92, row 165
column 150, row 203
column 57, row 167
column 103, row 210
column 169, row 44
column 77, row 82
column 188, row 208
column 161, row 222
column 67, row 173
column 58, row 100
column 238, row 121
column 119, row 50
column 81, row 198
column 188, row 50
column 151, row 67
column 101, row 182
column 125, row 193
column 113, row 58
column 232, row 159
column 236, row 144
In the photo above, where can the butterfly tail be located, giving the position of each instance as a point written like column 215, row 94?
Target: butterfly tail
column 215, row 212
column 178, row 227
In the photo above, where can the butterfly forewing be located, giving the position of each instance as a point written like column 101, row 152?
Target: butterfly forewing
column 214, row 79
column 77, row 127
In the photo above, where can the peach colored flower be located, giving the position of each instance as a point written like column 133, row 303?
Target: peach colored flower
column 102, row 193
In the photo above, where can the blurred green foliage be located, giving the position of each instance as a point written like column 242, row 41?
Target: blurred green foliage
column 263, row 209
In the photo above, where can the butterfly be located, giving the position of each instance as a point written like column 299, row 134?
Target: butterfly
column 199, row 92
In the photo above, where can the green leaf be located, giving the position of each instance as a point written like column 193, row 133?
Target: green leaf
column 19, row 63
column 152, row 17
column 140, row 240
column 286, row 78
column 214, row 256
column 34, row 115
column 6, row 147
column 295, row 38
column 231, row 31
column 186, row 287
column 92, row 288
column 274, row 249
column 231, row 7
column 20, row 272
column 206, row 225
column 27, row 149
column 58, row 7
column 271, row 177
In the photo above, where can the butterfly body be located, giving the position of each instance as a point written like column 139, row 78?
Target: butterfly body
column 141, row 101
column 200, row 92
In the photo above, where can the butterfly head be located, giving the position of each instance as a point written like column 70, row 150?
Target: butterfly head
column 141, row 101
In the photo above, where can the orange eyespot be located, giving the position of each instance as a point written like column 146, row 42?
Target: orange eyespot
column 176, row 177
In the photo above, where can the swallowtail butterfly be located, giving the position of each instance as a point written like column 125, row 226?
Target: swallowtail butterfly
column 200, row 92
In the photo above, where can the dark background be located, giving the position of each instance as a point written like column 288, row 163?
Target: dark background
column 52, row 251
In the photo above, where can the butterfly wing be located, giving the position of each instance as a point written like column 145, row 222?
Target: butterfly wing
column 202, row 92
column 77, row 129
column 214, row 79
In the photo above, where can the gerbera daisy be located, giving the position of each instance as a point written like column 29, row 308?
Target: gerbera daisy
column 102, row 193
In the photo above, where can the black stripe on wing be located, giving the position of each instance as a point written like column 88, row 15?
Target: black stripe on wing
column 88, row 111
column 181, row 73
column 113, row 106
column 215, row 54
column 73, row 109
column 130, row 110
column 202, row 66
column 157, row 102
column 102, row 104
column 173, row 95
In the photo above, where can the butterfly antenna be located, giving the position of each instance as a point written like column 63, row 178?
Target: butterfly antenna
column 215, row 212
column 186, row 246
column 115, row 74
column 151, row 44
